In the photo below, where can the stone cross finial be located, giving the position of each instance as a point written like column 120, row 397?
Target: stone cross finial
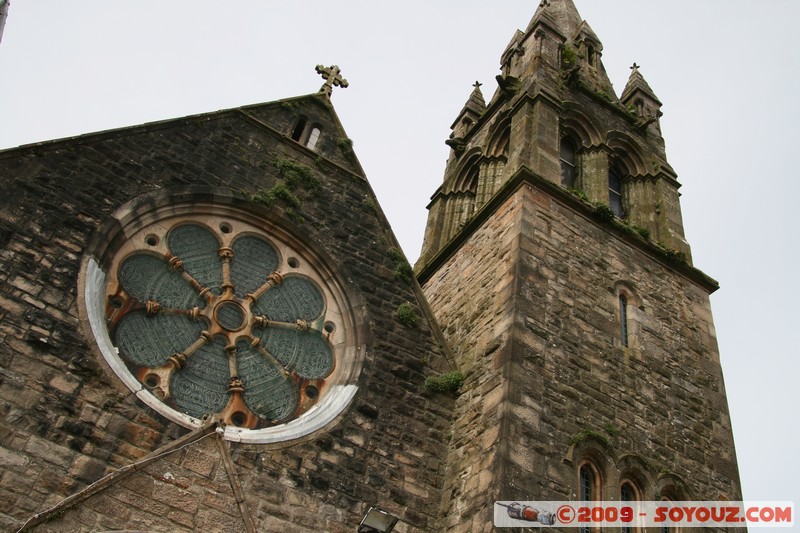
column 333, row 78
column 544, row 3
column 635, row 67
column 477, row 84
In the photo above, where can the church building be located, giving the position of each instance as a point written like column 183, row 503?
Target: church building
column 207, row 324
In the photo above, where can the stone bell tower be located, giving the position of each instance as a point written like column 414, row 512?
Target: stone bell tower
column 555, row 262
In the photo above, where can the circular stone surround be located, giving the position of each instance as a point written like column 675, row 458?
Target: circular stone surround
column 207, row 309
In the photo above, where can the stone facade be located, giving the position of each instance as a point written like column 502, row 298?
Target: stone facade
column 67, row 421
column 529, row 301
column 582, row 330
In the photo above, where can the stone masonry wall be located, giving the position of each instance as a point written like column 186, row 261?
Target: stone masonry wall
column 558, row 386
column 473, row 297
column 186, row 490
column 63, row 423
column 660, row 401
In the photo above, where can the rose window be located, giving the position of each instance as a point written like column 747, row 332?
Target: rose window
column 218, row 316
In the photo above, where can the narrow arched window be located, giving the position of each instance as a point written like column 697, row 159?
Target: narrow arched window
column 567, row 158
column 313, row 137
column 664, row 528
column 586, row 489
column 627, row 494
column 299, row 128
column 590, row 55
column 615, row 192
column 623, row 320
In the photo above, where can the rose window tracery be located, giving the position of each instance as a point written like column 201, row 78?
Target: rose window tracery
column 211, row 321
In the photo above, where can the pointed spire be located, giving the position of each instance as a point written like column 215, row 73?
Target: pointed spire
column 637, row 84
column 640, row 99
column 584, row 30
column 476, row 102
column 558, row 27
column 512, row 48
column 473, row 109
column 561, row 13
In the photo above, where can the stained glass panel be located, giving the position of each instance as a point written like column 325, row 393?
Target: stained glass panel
column 296, row 298
column 253, row 260
column 149, row 340
column 199, row 250
column 316, row 357
column 305, row 352
column 283, row 344
column 146, row 277
column 200, row 387
column 268, row 393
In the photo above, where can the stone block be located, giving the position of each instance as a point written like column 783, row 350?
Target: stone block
column 49, row 452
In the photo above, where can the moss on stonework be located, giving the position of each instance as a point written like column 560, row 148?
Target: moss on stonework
column 346, row 147
column 294, row 176
column 580, row 193
column 603, row 213
column 322, row 101
column 672, row 256
column 603, row 94
column 568, row 57
column 590, row 434
column 278, row 193
column 404, row 272
column 402, row 269
column 449, row 382
column 407, row 316
column 633, row 229
column 294, row 216
column 297, row 174
column 644, row 233
column 370, row 205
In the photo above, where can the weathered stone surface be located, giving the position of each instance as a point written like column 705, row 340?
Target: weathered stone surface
column 69, row 422
column 563, row 371
column 527, row 253
column 522, row 276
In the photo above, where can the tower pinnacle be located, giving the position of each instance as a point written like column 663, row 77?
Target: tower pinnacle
column 640, row 99
column 470, row 113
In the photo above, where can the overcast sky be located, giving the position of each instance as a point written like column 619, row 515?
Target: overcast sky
column 727, row 72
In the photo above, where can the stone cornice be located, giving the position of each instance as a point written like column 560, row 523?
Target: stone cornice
column 524, row 177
